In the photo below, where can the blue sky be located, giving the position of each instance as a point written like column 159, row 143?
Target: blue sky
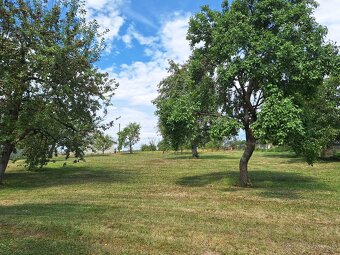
column 143, row 35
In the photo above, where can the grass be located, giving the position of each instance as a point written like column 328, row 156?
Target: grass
column 150, row 203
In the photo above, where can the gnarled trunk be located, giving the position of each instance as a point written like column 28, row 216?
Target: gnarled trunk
column 5, row 155
column 248, row 152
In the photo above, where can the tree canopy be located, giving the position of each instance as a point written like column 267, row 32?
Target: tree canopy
column 182, row 109
column 50, row 90
column 267, row 58
column 129, row 136
column 103, row 142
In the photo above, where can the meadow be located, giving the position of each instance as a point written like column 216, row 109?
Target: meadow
column 154, row 203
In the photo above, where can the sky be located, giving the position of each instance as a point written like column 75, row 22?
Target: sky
column 143, row 35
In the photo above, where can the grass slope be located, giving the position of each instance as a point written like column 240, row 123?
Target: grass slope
column 150, row 203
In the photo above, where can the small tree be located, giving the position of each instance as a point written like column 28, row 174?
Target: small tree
column 129, row 136
column 103, row 142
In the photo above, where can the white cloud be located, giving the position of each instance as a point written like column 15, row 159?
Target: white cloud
column 138, row 81
column 328, row 14
column 173, row 38
column 132, row 34
column 107, row 14
column 132, row 114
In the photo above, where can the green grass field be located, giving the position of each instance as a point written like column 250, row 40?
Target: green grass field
column 150, row 203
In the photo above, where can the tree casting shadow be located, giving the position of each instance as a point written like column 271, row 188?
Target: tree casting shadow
column 274, row 183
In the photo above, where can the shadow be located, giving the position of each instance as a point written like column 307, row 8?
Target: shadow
column 285, row 155
column 202, row 156
column 67, row 175
column 57, row 231
column 274, row 184
column 329, row 160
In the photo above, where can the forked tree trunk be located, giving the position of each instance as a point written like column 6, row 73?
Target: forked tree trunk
column 248, row 152
column 194, row 151
column 5, row 155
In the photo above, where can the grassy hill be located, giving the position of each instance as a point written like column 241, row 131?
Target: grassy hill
column 150, row 203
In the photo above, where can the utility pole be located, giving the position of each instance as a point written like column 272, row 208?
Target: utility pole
column 118, row 137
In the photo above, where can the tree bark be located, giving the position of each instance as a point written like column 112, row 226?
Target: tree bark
column 5, row 156
column 248, row 152
column 194, row 151
column 130, row 148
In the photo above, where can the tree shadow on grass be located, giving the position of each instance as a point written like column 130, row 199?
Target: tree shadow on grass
column 274, row 184
column 69, row 175
column 202, row 156
column 57, row 231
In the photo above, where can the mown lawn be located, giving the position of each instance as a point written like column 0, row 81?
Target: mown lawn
column 150, row 203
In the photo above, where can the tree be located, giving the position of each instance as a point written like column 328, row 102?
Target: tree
column 180, row 107
column 103, row 142
column 321, row 119
column 263, row 54
column 50, row 91
column 129, row 136
column 149, row 147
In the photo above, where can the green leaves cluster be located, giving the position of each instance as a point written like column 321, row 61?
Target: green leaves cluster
column 129, row 136
column 50, row 90
column 253, row 46
column 279, row 119
column 103, row 142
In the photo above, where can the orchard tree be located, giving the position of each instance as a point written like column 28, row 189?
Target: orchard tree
column 50, row 91
column 267, row 57
column 181, row 108
column 129, row 136
column 103, row 142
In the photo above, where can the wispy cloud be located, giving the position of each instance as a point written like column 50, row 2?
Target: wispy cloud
column 138, row 80
column 139, row 17
column 328, row 14
column 108, row 15
column 132, row 34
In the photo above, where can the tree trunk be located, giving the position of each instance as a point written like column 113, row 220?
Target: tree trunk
column 130, row 148
column 248, row 152
column 194, row 151
column 5, row 155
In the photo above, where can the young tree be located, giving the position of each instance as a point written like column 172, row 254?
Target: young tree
column 129, row 136
column 50, row 91
column 103, row 142
column 264, row 54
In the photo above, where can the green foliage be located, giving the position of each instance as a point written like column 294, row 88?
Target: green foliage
column 103, row 142
column 253, row 46
column 321, row 120
column 183, row 101
column 223, row 128
column 149, row 147
column 50, row 90
column 129, row 136
column 279, row 119
column 164, row 145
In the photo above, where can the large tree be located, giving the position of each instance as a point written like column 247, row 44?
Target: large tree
column 268, row 55
column 50, row 91
column 184, row 111
column 129, row 136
